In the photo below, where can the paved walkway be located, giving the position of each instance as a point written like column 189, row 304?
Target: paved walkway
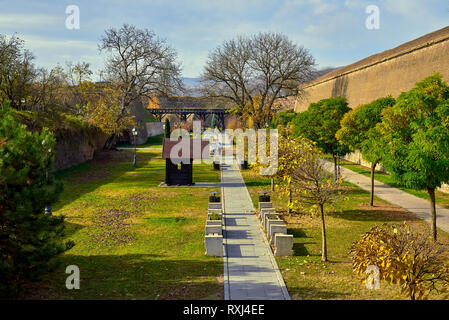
column 250, row 271
column 419, row 207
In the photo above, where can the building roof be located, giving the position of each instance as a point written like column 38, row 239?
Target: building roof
column 417, row 44
column 175, row 149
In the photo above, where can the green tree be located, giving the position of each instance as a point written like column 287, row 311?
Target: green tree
column 321, row 122
column 17, row 71
column 29, row 239
column 283, row 118
column 415, row 132
column 213, row 121
column 358, row 132
column 167, row 128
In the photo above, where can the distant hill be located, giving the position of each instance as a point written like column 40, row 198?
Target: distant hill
column 192, row 86
column 322, row 72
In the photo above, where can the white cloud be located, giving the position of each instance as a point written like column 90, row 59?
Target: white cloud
column 37, row 42
column 18, row 21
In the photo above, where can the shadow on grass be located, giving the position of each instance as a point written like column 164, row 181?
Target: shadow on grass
column 89, row 176
column 376, row 215
column 311, row 293
column 132, row 276
column 71, row 228
column 300, row 250
column 297, row 233
column 258, row 183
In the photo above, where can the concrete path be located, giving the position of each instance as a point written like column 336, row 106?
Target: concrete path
column 251, row 272
column 419, row 207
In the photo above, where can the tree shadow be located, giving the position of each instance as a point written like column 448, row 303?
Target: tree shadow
column 376, row 215
column 311, row 293
column 71, row 228
column 258, row 183
column 133, row 276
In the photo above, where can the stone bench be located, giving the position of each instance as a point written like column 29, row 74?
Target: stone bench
column 214, row 245
column 276, row 228
column 215, row 205
column 272, row 222
column 214, row 226
column 265, row 211
column 283, row 244
column 263, row 205
column 269, row 216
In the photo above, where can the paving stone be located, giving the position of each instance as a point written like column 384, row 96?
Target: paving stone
column 251, row 275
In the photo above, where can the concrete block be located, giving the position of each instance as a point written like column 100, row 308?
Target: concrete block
column 264, row 211
column 283, row 244
column 214, row 222
column 213, row 228
column 214, row 245
column 265, row 205
column 271, row 222
column 268, row 216
column 215, row 205
column 277, row 228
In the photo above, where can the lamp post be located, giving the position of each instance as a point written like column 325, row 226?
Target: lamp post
column 134, row 132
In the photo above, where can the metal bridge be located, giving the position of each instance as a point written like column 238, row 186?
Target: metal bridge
column 200, row 114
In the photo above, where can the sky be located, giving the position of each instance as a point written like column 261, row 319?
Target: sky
column 334, row 31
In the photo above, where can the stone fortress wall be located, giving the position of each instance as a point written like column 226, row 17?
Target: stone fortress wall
column 387, row 73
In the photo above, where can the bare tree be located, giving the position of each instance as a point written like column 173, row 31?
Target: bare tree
column 313, row 185
column 267, row 65
column 17, row 71
column 140, row 64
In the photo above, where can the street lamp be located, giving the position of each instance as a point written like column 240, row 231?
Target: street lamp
column 134, row 131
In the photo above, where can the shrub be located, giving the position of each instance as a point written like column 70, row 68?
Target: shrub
column 409, row 259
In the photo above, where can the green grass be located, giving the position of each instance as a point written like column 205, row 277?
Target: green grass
column 442, row 198
column 152, row 142
column 305, row 275
column 134, row 240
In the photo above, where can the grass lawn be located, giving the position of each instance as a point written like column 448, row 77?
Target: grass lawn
column 304, row 273
column 134, row 240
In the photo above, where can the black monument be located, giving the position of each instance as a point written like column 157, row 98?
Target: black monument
column 179, row 156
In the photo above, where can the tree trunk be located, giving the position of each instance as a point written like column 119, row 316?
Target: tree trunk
column 373, row 169
column 110, row 143
column 433, row 212
column 323, row 236
column 335, row 167
column 289, row 199
column 272, row 184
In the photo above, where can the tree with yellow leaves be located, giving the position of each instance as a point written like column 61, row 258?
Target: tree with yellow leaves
column 153, row 102
column 105, row 112
column 312, row 186
column 404, row 257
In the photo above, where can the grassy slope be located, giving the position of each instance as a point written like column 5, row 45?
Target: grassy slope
column 134, row 240
column 305, row 275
